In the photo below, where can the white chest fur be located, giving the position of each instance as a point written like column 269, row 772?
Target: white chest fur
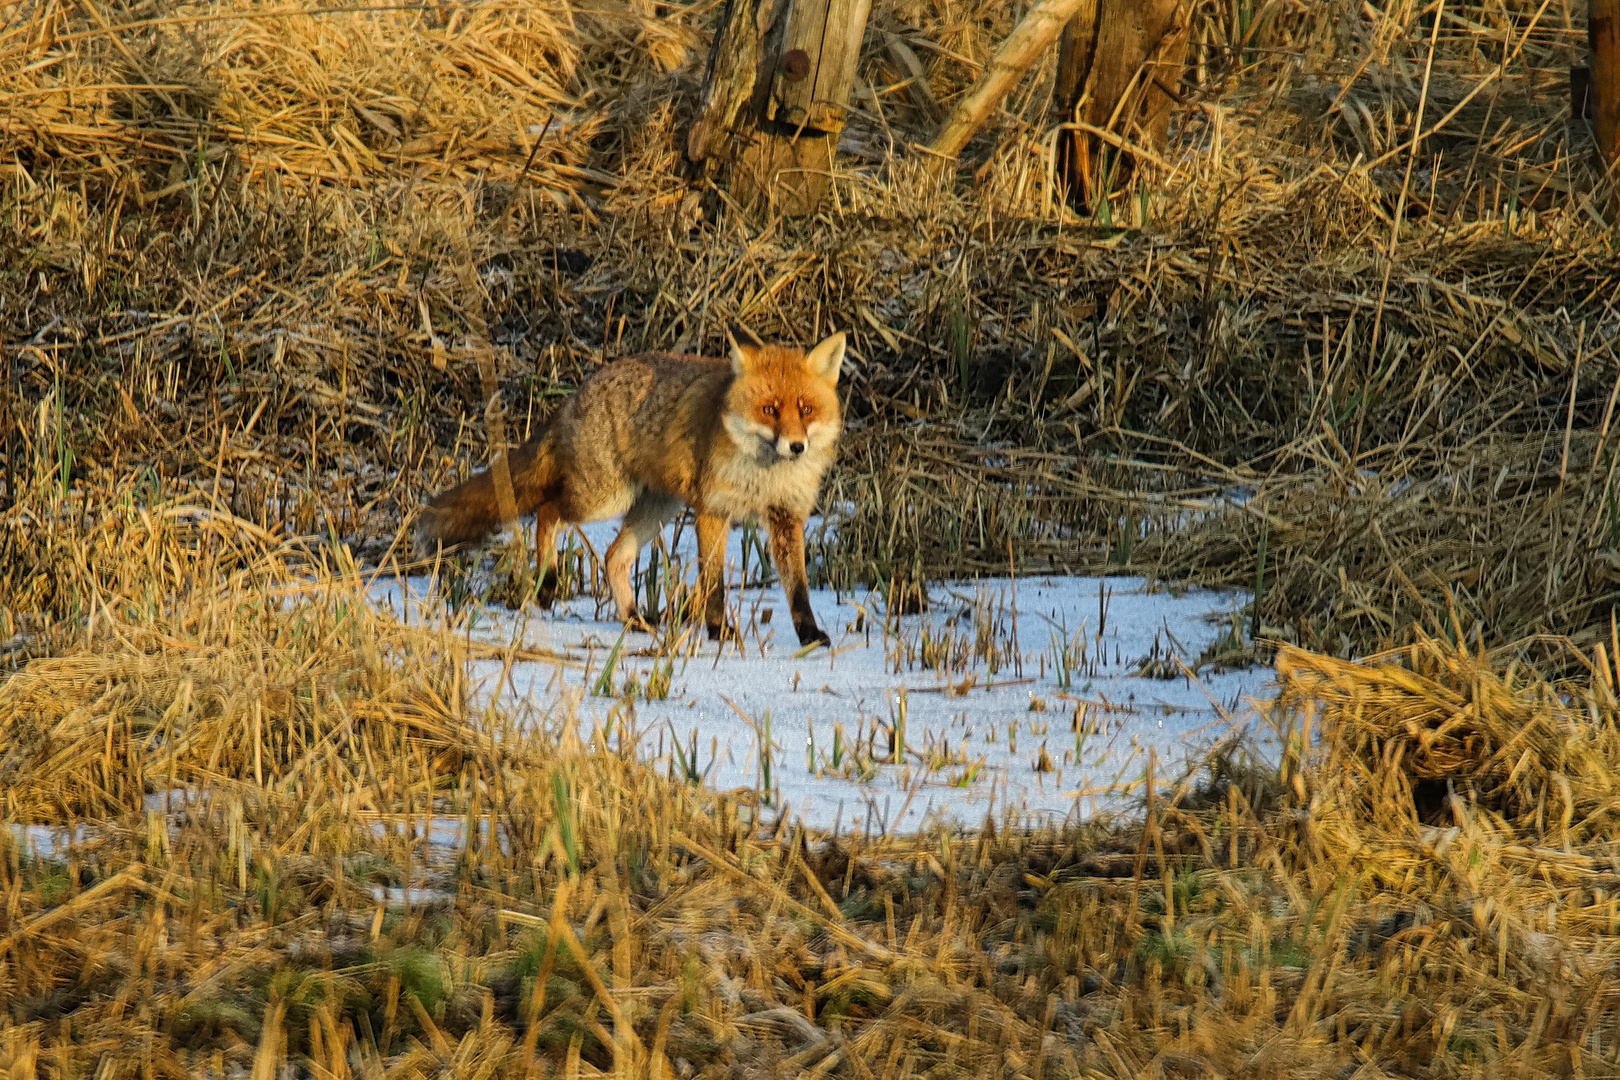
column 743, row 487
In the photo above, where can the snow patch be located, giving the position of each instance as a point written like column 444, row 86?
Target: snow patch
column 1041, row 698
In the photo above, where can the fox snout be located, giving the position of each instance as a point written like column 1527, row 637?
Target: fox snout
column 790, row 447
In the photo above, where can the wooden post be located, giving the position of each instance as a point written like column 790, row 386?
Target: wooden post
column 776, row 98
column 1033, row 34
column 1119, row 72
column 1603, row 32
column 11, row 461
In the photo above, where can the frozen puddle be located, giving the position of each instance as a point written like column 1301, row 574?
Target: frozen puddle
column 1042, row 697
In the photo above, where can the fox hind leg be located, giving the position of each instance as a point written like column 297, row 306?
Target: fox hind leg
column 647, row 515
column 547, row 523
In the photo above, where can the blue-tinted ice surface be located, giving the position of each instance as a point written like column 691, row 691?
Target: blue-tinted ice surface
column 1070, row 655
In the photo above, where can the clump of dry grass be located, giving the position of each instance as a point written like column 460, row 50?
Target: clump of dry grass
column 1440, row 732
column 185, row 107
column 195, row 648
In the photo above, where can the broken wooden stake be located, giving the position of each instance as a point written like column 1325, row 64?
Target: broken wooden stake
column 1119, row 74
column 775, row 99
column 1603, row 32
column 1039, row 28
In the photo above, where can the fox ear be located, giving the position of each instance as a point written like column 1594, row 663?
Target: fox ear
column 826, row 360
column 741, row 357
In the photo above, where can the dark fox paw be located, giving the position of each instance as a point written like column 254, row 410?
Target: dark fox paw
column 637, row 623
column 813, row 635
column 723, row 632
column 546, row 594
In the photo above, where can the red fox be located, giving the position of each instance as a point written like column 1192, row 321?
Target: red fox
column 748, row 439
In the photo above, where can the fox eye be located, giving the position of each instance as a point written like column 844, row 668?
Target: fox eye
column 770, row 411
column 805, row 409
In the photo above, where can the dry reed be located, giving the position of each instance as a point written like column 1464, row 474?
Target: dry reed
column 282, row 842
column 1299, row 295
column 1380, row 395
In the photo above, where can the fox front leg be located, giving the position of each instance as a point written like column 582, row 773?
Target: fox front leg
column 787, row 549
column 712, row 531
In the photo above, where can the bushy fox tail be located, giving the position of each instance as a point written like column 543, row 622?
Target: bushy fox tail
column 470, row 511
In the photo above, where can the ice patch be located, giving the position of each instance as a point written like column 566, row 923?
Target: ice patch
column 47, row 841
column 1043, row 696
column 412, row 897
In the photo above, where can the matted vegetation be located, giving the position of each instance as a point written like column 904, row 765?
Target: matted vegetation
column 242, row 267
column 1369, row 376
column 354, row 876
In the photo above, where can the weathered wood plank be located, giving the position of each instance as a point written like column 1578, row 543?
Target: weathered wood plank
column 1038, row 29
column 844, row 30
column 776, row 98
column 786, row 174
column 1118, row 70
column 728, row 85
column 1603, row 30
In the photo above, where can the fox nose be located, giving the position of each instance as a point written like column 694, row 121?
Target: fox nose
column 797, row 448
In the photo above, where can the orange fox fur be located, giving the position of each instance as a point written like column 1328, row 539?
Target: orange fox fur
column 748, row 439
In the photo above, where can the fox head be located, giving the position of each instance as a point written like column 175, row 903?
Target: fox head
column 783, row 402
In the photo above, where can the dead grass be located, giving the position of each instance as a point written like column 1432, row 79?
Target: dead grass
column 244, row 272
column 352, row 874
column 1379, row 395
